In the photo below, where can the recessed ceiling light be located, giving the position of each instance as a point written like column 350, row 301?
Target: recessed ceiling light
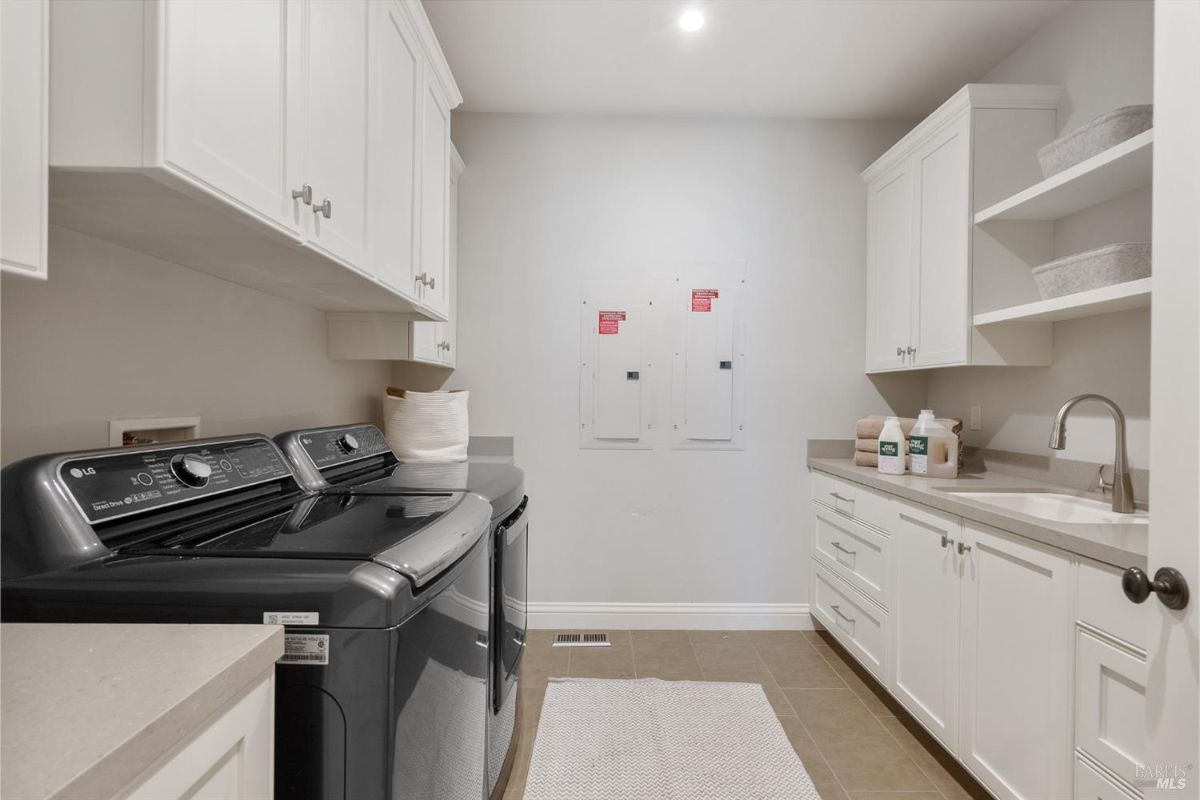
column 692, row 20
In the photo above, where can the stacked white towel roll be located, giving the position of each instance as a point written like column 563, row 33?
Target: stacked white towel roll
column 426, row 426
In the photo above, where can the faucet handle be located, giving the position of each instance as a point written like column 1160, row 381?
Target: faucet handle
column 1105, row 486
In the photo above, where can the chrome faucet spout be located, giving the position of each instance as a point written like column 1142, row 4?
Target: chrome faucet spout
column 1122, row 487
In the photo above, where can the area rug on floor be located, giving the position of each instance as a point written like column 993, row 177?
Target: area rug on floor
column 662, row 740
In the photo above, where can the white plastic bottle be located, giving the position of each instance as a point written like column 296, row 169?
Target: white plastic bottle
column 933, row 448
column 891, row 447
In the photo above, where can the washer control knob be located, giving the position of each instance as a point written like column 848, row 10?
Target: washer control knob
column 191, row 470
column 348, row 442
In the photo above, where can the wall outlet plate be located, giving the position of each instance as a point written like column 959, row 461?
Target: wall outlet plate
column 976, row 423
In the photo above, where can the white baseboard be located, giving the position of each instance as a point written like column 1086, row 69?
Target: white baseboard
column 671, row 616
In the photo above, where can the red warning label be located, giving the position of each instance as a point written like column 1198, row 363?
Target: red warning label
column 610, row 321
column 702, row 299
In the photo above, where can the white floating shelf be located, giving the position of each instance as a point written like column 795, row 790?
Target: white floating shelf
column 1119, row 169
column 1105, row 300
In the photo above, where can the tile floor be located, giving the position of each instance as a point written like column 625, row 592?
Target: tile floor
column 854, row 740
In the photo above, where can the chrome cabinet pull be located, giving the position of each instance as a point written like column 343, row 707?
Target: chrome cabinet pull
column 837, row 496
column 303, row 194
column 325, row 209
column 962, row 548
column 838, row 545
column 837, row 610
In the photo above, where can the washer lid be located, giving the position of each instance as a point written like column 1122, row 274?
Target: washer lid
column 415, row 534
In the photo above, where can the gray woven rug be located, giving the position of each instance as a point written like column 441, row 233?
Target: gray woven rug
column 662, row 740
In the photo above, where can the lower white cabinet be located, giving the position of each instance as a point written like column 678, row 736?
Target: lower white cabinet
column 231, row 758
column 24, row 129
column 1015, row 666
column 1024, row 661
column 925, row 618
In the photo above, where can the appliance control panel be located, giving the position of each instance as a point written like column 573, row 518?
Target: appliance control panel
column 118, row 484
column 331, row 447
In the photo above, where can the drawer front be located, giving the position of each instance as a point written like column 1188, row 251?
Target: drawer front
column 852, row 551
column 850, row 617
column 1103, row 605
column 851, row 500
column 1110, row 705
column 1091, row 785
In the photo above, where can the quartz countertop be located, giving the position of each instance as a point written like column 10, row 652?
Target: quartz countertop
column 1118, row 545
column 88, row 708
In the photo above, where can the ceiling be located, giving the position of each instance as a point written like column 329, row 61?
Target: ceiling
column 793, row 58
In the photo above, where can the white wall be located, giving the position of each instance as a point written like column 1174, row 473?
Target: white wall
column 1102, row 52
column 115, row 334
column 550, row 201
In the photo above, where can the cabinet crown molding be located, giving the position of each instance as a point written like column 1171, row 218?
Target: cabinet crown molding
column 971, row 96
column 433, row 51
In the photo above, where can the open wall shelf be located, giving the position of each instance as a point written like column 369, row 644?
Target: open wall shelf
column 1105, row 300
column 1120, row 169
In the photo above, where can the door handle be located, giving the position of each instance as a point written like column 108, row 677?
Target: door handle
column 325, row 209
column 1169, row 584
column 837, row 610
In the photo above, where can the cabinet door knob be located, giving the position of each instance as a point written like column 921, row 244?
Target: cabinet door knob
column 912, row 351
column 962, row 548
column 946, row 541
column 303, row 194
column 899, row 351
column 432, row 282
column 447, row 347
column 1169, row 584
column 325, row 209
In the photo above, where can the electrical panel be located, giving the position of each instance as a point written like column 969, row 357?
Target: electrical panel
column 616, row 401
column 707, row 385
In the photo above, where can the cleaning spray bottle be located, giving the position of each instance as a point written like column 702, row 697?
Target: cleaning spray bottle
column 891, row 447
column 933, row 448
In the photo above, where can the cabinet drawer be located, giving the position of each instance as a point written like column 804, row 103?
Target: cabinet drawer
column 1103, row 605
column 850, row 617
column 1091, row 785
column 1110, row 704
column 853, row 552
column 851, row 499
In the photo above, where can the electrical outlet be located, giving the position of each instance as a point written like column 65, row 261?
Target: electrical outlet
column 976, row 418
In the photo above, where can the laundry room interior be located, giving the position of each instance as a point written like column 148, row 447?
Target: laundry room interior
column 563, row 399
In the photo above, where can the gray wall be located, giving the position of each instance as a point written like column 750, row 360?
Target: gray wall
column 116, row 334
column 1102, row 52
column 550, row 201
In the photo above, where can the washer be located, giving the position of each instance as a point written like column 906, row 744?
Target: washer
column 383, row 690
column 356, row 460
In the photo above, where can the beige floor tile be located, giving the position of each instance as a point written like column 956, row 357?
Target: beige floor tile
column 764, row 641
column 801, row 669
column 725, row 663
column 946, row 774
column 665, row 659
column 660, row 638
column 602, row 662
column 874, row 764
column 828, row 786
column 802, row 743
column 896, row 796
column 708, row 638
column 834, row 716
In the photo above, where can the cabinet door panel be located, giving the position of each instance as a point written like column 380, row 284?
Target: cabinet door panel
column 335, row 144
column 396, row 89
column 924, row 611
column 226, row 74
column 941, row 300
column 24, row 72
column 435, row 190
column 1016, row 666
column 889, row 269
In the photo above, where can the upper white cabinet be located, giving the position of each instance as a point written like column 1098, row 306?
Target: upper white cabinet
column 24, row 92
column 921, row 251
column 275, row 143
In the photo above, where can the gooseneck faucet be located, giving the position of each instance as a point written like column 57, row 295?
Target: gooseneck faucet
column 1122, row 486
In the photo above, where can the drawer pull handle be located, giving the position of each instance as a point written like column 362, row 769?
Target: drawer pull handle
column 838, row 545
column 837, row 496
column 837, row 610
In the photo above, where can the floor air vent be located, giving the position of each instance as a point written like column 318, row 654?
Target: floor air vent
column 582, row 640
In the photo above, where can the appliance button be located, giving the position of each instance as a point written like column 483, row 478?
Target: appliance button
column 191, row 470
column 348, row 443
column 145, row 479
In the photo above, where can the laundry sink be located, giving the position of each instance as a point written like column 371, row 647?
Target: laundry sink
column 1053, row 506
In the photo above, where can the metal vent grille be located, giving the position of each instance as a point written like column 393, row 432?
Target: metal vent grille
column 581, row 640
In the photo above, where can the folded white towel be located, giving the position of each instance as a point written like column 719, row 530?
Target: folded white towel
column 427, row 426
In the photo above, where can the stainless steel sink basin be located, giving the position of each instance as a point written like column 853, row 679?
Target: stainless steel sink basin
column 1053, row 506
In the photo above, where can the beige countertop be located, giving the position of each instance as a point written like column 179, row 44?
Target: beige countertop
column 1118, row 545
column 87, row 708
